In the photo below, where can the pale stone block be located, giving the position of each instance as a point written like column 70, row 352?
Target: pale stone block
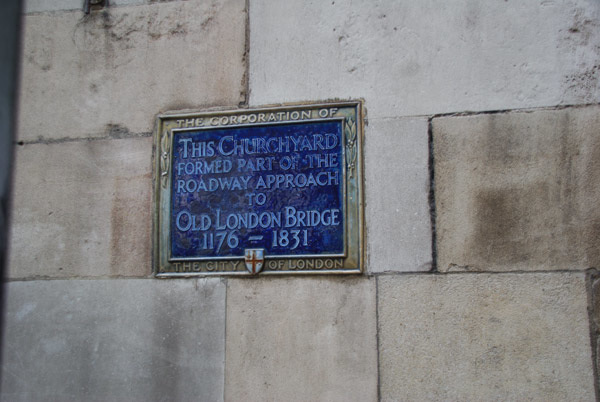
column 397, row 187
column 425, row 57
column 112, row 71
column 301, row 339
column 114, row 340
column 518, row 191
column 82, row 208
column 134, row 2
column 481, row 337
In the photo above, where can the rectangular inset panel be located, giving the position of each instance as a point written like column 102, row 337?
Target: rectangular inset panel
column 271, row 190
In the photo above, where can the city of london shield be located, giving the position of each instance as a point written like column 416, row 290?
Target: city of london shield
column 255, row 258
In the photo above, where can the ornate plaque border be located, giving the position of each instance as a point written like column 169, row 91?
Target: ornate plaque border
column 351, row 113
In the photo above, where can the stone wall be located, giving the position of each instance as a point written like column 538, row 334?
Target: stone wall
column 482, row 161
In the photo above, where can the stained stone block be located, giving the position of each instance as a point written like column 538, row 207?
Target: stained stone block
column 37, row 6
column 114, row 340
column 423, row 57
column 474, row 337
column 397, row 191
column 518, row 191
column 82, row 208
column 301, row 339
column 111, row 72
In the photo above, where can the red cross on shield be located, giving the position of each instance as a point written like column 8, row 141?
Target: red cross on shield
column 254, row 258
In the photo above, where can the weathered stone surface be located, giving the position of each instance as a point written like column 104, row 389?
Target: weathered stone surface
column 425, row 57
column 82, row 209
column 594, row 279
column 474, row 337
column 112, row 71
column 301, row 339
column 114, row 340
column 518, row 191
column 397, row 191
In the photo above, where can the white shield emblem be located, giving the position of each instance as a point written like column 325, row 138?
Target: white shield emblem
column 255, row 258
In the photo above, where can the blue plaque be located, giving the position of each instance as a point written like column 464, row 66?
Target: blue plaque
column 275, row 187
column 274, row 191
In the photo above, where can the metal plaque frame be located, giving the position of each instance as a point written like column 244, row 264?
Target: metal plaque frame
column 351, row 261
